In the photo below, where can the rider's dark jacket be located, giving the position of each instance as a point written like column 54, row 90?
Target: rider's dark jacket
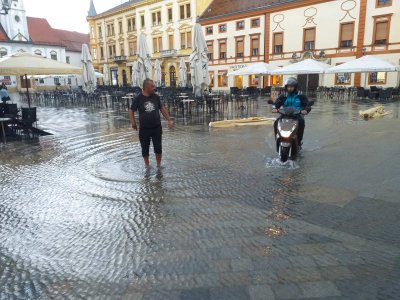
column 295, row 100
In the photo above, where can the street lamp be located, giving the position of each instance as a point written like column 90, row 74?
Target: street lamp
column 5, row 6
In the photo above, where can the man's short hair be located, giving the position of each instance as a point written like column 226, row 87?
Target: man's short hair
column 146, row 82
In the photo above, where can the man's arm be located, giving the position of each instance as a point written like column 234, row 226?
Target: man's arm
column 132, row 118
column 165, row 114
column 279, row 101
column 305, row 103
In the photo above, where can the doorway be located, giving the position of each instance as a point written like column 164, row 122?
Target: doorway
column 23, row 83
column 172, row 76
column 313, row 82
column 124, row 78
column 114, row 76
column 239, row 82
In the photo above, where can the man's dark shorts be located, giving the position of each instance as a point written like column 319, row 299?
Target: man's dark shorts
column 146, row 135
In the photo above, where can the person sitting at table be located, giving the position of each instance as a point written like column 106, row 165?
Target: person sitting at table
column 4, row 94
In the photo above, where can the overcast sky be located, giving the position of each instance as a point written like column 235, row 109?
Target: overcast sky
column 67, row 14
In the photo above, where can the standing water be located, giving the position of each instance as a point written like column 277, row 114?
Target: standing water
column 80, row 218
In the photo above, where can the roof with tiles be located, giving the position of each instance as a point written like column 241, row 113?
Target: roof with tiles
column 42, row 33
column 223, row 8
column 3, row 35
column 72, row 40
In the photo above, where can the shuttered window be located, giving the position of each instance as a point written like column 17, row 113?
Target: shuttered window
column 132, row 48
column 155, row 45
column 381, row 32
column 278, row 42
column 160, row 47
column 171, row 41
column 210, row 51
column 189, row 39
column 240, row 47
column 309, row 39
column 183, row 40
column 347, row 33
column 222, row 50
column 255, row 46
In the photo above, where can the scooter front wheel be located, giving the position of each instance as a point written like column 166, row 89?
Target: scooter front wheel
column 284, row 153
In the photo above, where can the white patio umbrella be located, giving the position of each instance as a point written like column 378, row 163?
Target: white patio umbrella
column 260, row 68
column 106, row 75
column 182, row 72
column 99, row 75
column 199, row 62
column 308, row 66
column 89, row 76
column 365, row 64
column 157, row 73
column 135, row 74
column 144, row 66
column 24, row 64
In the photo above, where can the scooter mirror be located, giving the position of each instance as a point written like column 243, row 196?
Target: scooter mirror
column 270, row 102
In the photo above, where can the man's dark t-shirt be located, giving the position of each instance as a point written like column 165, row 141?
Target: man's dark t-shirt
column 149, row 110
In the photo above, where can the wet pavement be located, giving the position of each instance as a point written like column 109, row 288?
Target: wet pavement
column 80, row 218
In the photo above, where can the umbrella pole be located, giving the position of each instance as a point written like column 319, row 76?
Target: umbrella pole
column 365, row 80
column 27, row 91
column 307, row 86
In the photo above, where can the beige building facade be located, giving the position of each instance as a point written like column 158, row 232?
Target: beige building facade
column 167, row 25
column 330, row 31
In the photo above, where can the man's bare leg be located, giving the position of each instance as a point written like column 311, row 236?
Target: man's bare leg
column 146, row 161
column 158, row 158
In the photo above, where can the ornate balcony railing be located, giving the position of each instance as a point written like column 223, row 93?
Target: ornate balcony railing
column 120, row 59
column 168, row 53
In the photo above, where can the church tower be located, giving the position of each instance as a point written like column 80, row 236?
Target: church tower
column 15, row 23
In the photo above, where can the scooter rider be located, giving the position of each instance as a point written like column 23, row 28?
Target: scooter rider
column 294, row 98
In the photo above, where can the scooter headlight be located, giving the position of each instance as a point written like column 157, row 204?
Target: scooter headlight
column 286, row 133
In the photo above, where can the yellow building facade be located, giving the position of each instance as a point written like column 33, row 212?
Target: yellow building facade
column 167, row 25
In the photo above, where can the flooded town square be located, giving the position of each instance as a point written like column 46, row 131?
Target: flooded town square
column 199, row 150
column 81, row 218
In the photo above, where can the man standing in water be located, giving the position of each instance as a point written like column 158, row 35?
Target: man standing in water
column 149, row 106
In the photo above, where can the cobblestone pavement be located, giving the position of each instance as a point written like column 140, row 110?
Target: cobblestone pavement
column 81, row 219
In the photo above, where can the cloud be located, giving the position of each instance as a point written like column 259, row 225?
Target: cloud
column 68, row 15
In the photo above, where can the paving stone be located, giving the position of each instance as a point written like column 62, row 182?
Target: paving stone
column 242, row 264
column 319, row 289
column 261, row 292
column 302, row 261
column 287, row 291
column 335, row 273
column 230, row 293
column 307, row 249
column 220, row 266
column 326, row 260
column 133, row 296
column 195, row 294
column 359, row 289
column 298, row 275
column 264, row 277
column 235, row 278
column 162, row 295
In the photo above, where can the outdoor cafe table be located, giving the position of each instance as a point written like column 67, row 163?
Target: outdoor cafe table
column 2, row 120
column 187, row 103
